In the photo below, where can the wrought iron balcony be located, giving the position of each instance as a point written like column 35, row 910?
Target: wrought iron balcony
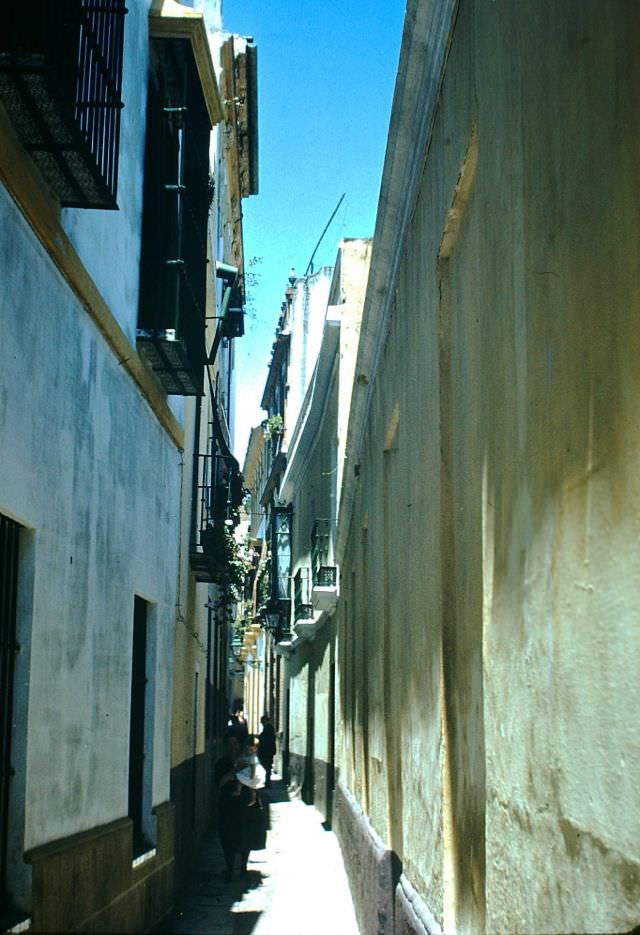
column 60, row 83
column 232, row 325
column 321, row 549
column 326, row 576
column 324, row 593
column 171, row 317
column 167, row 354
column 217, row 494
column 302, row 606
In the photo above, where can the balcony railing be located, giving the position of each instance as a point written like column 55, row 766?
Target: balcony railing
column 171, row 318
column 324, row 593
column 302, row 606
column 61, row 82
column 232, row 325
column 326, row 576
column 217, row 494
column 324, row 573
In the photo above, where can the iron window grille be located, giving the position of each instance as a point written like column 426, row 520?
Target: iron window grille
column 61, row 84
column 171, row 319
column 325, row 574
column 302, row 606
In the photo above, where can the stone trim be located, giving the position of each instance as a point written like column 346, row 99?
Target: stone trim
column 171, row 20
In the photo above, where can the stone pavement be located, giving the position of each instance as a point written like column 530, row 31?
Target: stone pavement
column 297, row 886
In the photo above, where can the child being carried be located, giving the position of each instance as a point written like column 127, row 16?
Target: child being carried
column 248, row 770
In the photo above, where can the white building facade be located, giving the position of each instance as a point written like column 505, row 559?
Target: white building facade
column 92, row 439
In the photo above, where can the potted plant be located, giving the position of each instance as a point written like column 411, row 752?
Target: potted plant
column 275, row 425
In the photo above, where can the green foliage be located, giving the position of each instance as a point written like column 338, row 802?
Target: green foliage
column 275, row 425
column 227, row 562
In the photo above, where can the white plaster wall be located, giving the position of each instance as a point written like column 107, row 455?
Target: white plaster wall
column 86, row 464
column 108, row 242
column 306, row 324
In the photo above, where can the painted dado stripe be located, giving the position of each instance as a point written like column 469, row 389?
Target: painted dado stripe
column 30, row 192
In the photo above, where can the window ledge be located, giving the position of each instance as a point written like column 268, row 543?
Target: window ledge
column 143, row 858
column 23, row 926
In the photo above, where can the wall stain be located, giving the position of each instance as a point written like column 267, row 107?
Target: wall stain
column 627, row 872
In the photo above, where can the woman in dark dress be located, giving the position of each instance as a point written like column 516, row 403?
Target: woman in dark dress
column 242, row 823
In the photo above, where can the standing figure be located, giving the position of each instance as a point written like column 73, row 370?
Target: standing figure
column 267, row 747
column 237, row 724
column 249, row 772
column 230, row 811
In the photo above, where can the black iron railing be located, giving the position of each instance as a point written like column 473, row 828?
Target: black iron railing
column 326, row 576
column 61, row 84
column 324, row 573
column 9, row 538
column 217, row 494
column 302, row 606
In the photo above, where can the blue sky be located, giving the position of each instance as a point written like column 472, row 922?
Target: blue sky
column 326, row 74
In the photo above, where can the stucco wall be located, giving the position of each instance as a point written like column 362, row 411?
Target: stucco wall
column 306, row 324
column 503, row 778
column 88, row 468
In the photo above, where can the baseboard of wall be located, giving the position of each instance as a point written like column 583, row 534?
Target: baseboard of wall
column 373, row 869
column 412, row 915
column 86, row 882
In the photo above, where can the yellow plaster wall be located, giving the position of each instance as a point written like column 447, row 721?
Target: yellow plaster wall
column 489, row 722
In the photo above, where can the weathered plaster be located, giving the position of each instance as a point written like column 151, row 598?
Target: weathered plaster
column 489, row 725
column 96, row 478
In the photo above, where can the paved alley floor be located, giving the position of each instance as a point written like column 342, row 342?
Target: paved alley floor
column 297, row 886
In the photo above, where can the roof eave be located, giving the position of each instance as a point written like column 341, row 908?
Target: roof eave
column 171, row 20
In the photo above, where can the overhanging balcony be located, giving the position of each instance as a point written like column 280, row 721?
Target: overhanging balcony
column 324, row 593
column 167, row 355
column 60, row 83
column 302, row 606
column 173, row 268
column 232, row 323
column 217, row 493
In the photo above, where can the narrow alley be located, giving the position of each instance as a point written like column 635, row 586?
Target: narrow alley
column 372, row 526
column 297, row 886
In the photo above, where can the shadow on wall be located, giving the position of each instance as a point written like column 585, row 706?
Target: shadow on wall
column 312, row 775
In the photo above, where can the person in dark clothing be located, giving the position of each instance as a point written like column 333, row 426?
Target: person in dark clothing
column 267, row 746
column 229, row 806
column 241, row 827
column 237, row 725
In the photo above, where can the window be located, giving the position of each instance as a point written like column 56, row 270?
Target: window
column 281, row 554
column 17, row 562
column 9, row 539
column 60, row 81
column 171, row 318
column 141, row 728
